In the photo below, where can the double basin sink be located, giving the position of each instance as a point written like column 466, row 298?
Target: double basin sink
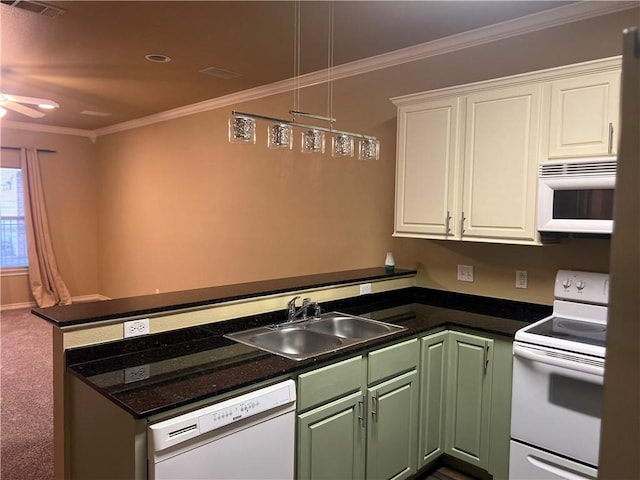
column 302, row 339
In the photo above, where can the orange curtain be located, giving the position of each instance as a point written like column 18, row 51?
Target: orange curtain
column 47, row 286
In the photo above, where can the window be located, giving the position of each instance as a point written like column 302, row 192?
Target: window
column 13, row 241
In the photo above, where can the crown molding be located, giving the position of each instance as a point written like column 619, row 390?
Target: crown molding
column 33, row 127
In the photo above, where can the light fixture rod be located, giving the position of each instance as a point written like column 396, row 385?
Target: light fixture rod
column 297, row 113
column 299, row 124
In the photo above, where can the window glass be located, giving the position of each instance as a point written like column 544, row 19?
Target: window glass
column 13, row 241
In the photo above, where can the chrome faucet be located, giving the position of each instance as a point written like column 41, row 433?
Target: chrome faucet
column 294, row 312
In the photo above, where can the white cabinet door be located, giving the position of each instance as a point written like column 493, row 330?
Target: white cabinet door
column 500, row 164
column 426, row 167
column 584, row 115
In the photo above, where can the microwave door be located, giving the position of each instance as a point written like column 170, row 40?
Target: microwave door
column 576, row 204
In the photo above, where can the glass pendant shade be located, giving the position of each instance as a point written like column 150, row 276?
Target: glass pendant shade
column 312, row 141
column 369, row 149
column 280, row 135
column 342, row 146
column 242, row 130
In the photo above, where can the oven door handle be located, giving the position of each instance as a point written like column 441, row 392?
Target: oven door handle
column 556, row 361
column 557, row 470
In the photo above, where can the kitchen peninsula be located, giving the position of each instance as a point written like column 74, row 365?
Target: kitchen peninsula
column 187, row 361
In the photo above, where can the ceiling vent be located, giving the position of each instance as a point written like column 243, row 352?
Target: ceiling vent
column 35, row 7
column 220, row 73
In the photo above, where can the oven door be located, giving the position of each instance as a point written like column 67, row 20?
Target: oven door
column 557, row 401
column 576, row 204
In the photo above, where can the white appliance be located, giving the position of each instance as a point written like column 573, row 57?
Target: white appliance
column 246, row 437
column 576, row 196
column 558, row 369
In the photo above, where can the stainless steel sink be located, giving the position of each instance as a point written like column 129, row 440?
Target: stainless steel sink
column 345, row 326
column 315, row 336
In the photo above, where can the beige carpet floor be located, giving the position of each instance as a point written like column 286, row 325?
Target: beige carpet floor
column 26, row 397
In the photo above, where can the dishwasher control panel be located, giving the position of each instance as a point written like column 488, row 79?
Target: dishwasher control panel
column 190, row 425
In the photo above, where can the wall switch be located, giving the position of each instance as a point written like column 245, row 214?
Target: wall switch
column 136, row 327
column 521, row 279
column 465, row 273
column 365, row 288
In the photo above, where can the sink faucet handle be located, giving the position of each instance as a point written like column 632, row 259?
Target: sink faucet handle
column 291, row 307
column 317, row 310
column 306, row 302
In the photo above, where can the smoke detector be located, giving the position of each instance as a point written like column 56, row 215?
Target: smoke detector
column 35, row 7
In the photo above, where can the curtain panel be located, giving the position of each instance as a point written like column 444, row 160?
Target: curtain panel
column 47, row 286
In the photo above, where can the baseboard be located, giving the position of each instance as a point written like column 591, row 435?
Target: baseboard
column 95, row 297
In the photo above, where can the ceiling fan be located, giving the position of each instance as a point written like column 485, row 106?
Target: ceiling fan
column 19, row 104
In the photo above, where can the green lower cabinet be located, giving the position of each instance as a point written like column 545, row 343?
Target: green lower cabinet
column 433, row 388
column 392, row 428
column 331, row 440
column 469, row 398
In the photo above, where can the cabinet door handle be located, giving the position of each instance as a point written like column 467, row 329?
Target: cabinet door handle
column 486, row 355
column 448, row 223
column 610, row 149
column 361, row 415
column 375, row 403
column 462, row 223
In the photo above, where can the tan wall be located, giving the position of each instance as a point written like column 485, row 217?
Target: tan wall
column 177, row 207
column 181, row 208
column 69, row 182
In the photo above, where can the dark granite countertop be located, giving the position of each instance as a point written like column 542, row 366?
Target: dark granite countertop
column 82, row 313
column 155, row 373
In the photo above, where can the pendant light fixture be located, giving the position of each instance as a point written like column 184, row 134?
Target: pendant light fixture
column 280, row 133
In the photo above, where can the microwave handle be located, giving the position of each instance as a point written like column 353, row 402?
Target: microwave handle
column 529, row 354
column 557, row 470
column 610, row 149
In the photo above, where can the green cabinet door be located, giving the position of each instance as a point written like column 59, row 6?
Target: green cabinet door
column 433, row 388
column 331, row 440
column 392, row 428
column 469, row 398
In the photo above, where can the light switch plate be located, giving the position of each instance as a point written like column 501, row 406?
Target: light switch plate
column 521, row 279
column 365, row 288
column 465, row 273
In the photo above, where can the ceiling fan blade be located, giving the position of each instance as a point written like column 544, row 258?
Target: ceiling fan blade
column 29, row 100
column 16, row 107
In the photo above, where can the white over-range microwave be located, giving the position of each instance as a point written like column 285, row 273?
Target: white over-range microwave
column 576, row 196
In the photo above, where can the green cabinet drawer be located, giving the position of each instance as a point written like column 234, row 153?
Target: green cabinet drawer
column 330, row 382
column 390, row 361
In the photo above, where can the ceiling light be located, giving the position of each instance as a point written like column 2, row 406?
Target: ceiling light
column 280, row 135
column 242, row 129
column 157, row 58
column 369, row 149
column 342, row 145
column 313, row 141
column 280, row 132
column 46, row 106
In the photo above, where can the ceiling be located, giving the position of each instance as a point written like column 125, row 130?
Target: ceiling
column 92, row 58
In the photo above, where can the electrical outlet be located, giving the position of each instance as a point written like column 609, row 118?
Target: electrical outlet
column 521, row 279
column 135, row 374
column 136, row 327
column 365, row 288
column 465, row 273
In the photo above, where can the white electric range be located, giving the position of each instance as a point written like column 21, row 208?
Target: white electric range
column 558, row 370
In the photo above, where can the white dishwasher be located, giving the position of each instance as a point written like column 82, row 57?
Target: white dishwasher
column 246, row 437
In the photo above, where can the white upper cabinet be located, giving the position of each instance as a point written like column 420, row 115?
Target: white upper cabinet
column 468, row 156
column 583, row 119
column 500, row 164
column 427, row 144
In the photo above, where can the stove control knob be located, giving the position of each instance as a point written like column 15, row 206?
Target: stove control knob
column 566, row 283
column 580, row 284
